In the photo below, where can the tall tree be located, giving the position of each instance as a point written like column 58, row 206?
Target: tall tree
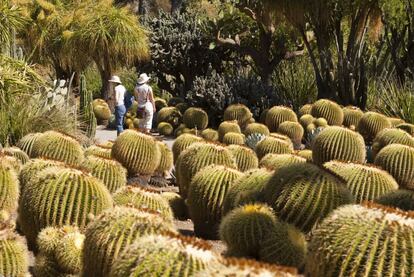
column 10, row 21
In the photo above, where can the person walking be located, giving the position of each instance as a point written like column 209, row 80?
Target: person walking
column 120, row 109
column 146, row 104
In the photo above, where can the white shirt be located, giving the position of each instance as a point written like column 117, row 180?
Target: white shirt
column 142, row 93
column 120, row 91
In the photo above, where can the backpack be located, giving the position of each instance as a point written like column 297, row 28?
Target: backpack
column 128, row 100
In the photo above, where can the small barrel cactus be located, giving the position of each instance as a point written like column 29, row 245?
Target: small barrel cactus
column 195, row 118
column 253, row 139
column 234, row 138
column 9, row 184
column 337, row 143
column 112, row 174
column 182, row 143
column 398, row 160
column 277, row 115
column 305, row 120
column 273, row 145
column 170, row 115
column 365, row 182
column 293, row 130
column 244, row 157
column 17, row 153
column 210, row 135
column 13, row 162
column 305, row 153
column 182, row 107
column 389, row 136
column 45, row 266
column 305, row 109
column 137, row 152
column 277, row 161
column 352, row 116
column 27, row 142
column 102, row 151
column 256, row 128
column 238, row 112
column 58, row 146
column 167, row 159
column 371, row 124
column 395, row 121
column 227, row 127
column 177, row 204
column 329, row 110
column 14, row 256
column 205, row 198
column 165, row 129
column 160, row 103
column 101, row 109
column 320, row 122
column 409, row 128
column 402, row 199
column 358, row 240
column 262, row 117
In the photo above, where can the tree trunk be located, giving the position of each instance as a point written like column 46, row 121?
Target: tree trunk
column 106, row 91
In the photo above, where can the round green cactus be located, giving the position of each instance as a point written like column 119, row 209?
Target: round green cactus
column 277, row 161
column 273, row 145
column 137, row 152
column 140, row 198
column 227, row 127
column 17, row 153
column 9, row 184
column 167, row 159
column 174, row 101
column 195, row 118
column 389, row 136
column 329, row 110
column 182, row 143
column 360, row 240
column 395, row 121
column 158, row 255
column 256, row 128
column 371, row 124
column 234, row 138
column 244, row 157
column 205, row 198
column 303, row 194
column 293, row 130
column 305, row 120
column 182, row 107
column 58, row 146
column 365, row 182
column 238, row 112
column 281, row 137
column 305, row 109
column 409, row 128
column 112, row 232
column 160, row 103
column 306, row 153
column 402, row 199
column 45, row 266
column 14, row 256
column 68, row 252
column 210, row 135
column 320, row 122
column 196, row 158
column 112, row 174
column 13, row 162
column 277, row 115
column 170, row 115
column 398, row 160
column 72, row 195
column 101, row 110
column 337, row 143
column 177, row 204
column 165, row 129
column 263, row 114
column 27, row 142
column 102, row 151
column 352, row 116
column 179, row 130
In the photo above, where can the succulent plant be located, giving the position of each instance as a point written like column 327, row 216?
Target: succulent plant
column 112, row 174
column 253, row 139
column 277, row 115
column 293, row 130
column 141, row 198
column 210, row 135
column 238, row 112
column 137, row 152
column 273, row 145
column 305, row 120
column 320, row 122
column 170, row 115
column 99, row 151
column 165, row 129
column 58, row 146
column 366, row 182
column 276, row 161
column 303, row 194
column 263, row 114
column 182, row 143
column 182, row 107
column 14, row 256
column 395, row 121
column 234, row 138
column 72, row 196
column 12, row 162
column 17, row 153
column 338, row 143
column 45, row 266
column 409, row 128
column 164, row 255
column 371, row 124
column 244, row 157
column 354, row 240
column 398, row 160
column 329, row 110
column 352, row 116
column 27, row 142
column 256, row 128
column 160, row 103
column 112, row 232
column 227, row 127
column 305, row 153
column 205, row 198
column 402, row 199
column 389, row 136
column 174, row 101
column 101, row 110
column 177, row 204
column 69, row 251
column 167, row 159
column 9, row 184
column 87, row 114
column 179, row 130
column 305, row 109
column 195, row 118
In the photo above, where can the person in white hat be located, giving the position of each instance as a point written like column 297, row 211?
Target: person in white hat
column 120, row 109
column 146, row 104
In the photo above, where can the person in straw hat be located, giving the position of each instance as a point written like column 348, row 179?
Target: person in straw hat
column 146, row 104
column 120, row 109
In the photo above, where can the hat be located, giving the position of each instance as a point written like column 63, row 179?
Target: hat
column 143, row 78
column 115, row 79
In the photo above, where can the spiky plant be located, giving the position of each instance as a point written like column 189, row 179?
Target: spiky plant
column 234, row 138
column 238, row 112
column 45, row 266
column 263, row 114
column 182, row 107
column 164, row 255
column 182, row 143
column 320, row 122
column 395, row 121
column 112, row 232
column 165, row 129
column 402, row 199
column 256, row 128
column 167, row 159
column 366, row 182
column 69, row 251
column 409, row 128
column 244, row 157
column 137, row 152
column 273, row 145
column 177, row 204
column 371, row 124
column 352, row 116
column 306, row 153
column 174, row 101
column 303, row 194
column 9, row 184
column 101, row 110
column 160, row 103
column 72, row 196
column 26, row 143
column 253, row 139
column 50, row 237
column 329, row 110
column 227, row 127
column 337, row 143
column 205, row 198
column 170, row 115
column 365, row 233
column 13, row 162
column 17, row 153
column 276, row 161
column 277, row 115
column 179, row 130
column 389, row 136
column 141, row 198
column 293, row 130
column 195, row 118
column 14, row 256
column 112, row 174
column 58, row 146
column 398, row 160
column 210, row 135
column 102, row 151
column 305, row 109
column 281, row 137
column 305, row 120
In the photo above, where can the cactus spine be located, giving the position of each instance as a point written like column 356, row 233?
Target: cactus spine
column 256, row 128
column 210, row 135
column 86, row 108
column 14, row 256
column 329, row 110
column 182, row 143
column 277, row 161
column 277, row 115
column 195, row 118
column 305, row 120
column 27, row 142
column 227, row 127
column 238, row 112
column 371, row 124
column 99, row 151
column 402, row 199
column 352, row 116
column 233, row 138
column 305, row 109
column 244, row 157
column 293, row 130
column 9, row 184
column 273, row 145
column 389, row 136
column 17, row 153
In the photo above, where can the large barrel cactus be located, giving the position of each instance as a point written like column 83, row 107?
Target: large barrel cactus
column 389, row 136
column 9, row 184
column 167, row 159
column 244, row 157
column 209, row 134
column 273, row 145
column 402, row 199
column 293, row 130
column 112, row 174
column 103, row 151
column 329, row 110
column 205, row 198
column 398, row 160
column 256, row 128
column 365, row 182
column 182, row 143
column 352, row 116
column 112, row 232
column 27, row 142
column 17, row 153
column 58, row 146
column 137, row 152
column 277, row 161
column 369, row 240
column 303, row 194
column 195, row 118
column 61, row 196
column 277, row 115
column 234, row 138
column 101, row 110
column 165, row 129
column 170, row 115
column 337, row 143
column 227, row 127
column 238, row 112
column 371, row 124
column 409, row 128
column 14, row 256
